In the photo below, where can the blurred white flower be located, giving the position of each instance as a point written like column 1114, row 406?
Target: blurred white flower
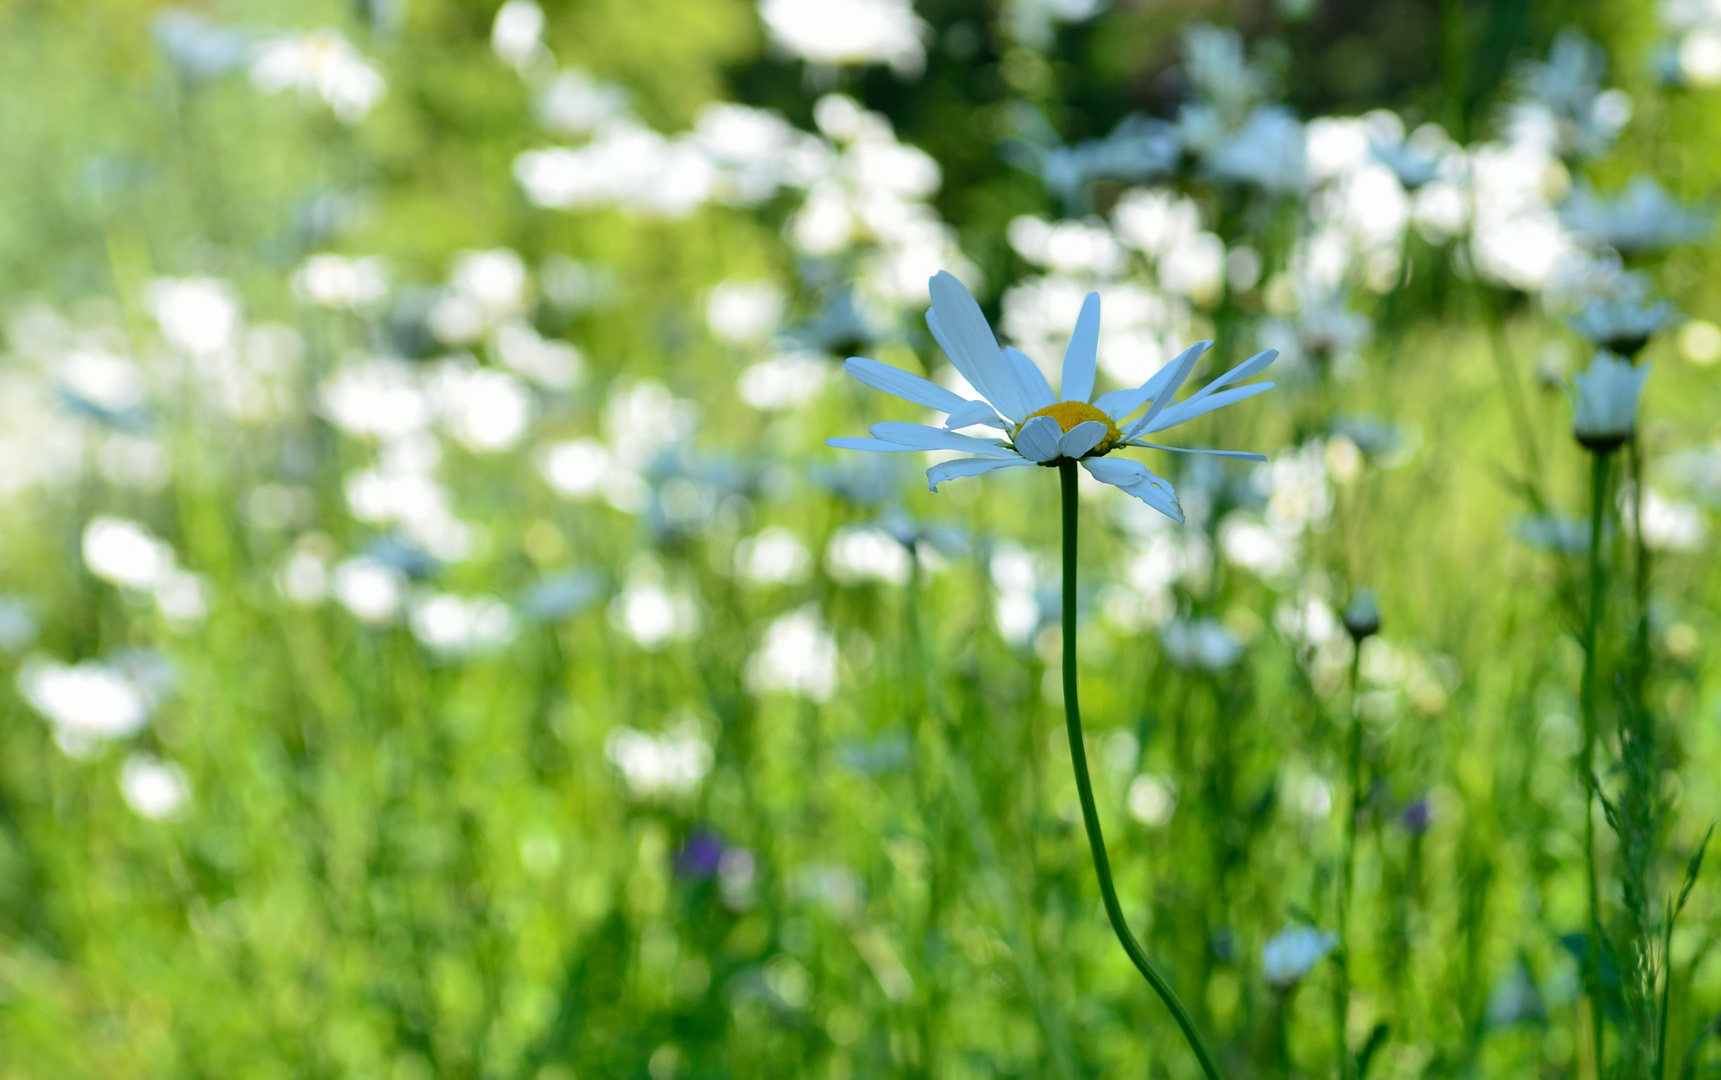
column 1155, row 220
column 1249, row 543
column 652, row 615
column 575, row 104
column 460, row 626
column 626, row 165
column 798, row 655
column 199, row 316
column 517, row 35
column 672, row 763
column 1667, row 525
column 775, row 556
column 153, row 788
column 321, row 65
column 785, row 381
column 859, row 553
column 1292, row 953
column 303, row 578
column 105, row 379
column 1195, row 268
column 577, row 468
column 337, row 281
column 849, row 32
column 485, row 409
column 86, row 703
column 125, row 553
column 549, row 362
column 370, row 589
column 182, row 597
column 378, row 399
column 644, row 418
column 744, row 311
column 1068, row 247
column 1152, row 799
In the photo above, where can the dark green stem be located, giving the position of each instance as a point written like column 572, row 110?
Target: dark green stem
column 1085, row 788
column 1586, row 762
column 1347, row 879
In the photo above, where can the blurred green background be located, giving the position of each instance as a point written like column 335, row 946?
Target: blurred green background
column 438, row 643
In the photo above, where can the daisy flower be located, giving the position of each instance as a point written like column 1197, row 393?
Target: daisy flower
column 1041, row 427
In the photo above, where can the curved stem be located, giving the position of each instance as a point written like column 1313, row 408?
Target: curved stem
column 1586, row 762
column 1085, row 788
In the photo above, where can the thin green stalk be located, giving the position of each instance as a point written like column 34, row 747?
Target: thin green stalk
column 1085, row 788
column 1347, row 880
column 1586, row 762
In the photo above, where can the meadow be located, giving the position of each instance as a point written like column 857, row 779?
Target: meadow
column 437, row 639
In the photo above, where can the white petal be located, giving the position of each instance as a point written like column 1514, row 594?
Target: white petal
column 1199, row 405
column 849, row 442
column 1077, row 381
column 1180, row 369
column 961, row 329
column 1030, row 380
column 1240, row 455
column 1136, row 479
column 921, row 437
column 1082, row 438
column 1038, row 439
column 972, row 412
column 902, row 384
column 1120, row 403
column 953, row 470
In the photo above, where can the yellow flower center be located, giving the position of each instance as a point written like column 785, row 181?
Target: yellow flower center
column 1070, row 413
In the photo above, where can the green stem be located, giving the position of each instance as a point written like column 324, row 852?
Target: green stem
column 1347, row 880
column 1085, row 788
column 1586, row 762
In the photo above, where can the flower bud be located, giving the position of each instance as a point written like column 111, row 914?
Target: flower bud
column 1362, row 615
column 1604, row 412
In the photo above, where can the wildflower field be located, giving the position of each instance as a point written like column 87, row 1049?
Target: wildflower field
column 471, row 602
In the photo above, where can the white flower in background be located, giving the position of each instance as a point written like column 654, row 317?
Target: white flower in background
column 1201, row 643
column 775, row 556
column 1643, row 217
column 105, row 379
column 1068, row 247
column 154, row 789
column 199, row 316
column 1018, row 400
column 125, row 553
column 672, row 763
column 1155, row 220
column 1032, row 21
column 757, row 152
column 486, row 289
column 182, row 598
column 798, row 655
column 625, row 164
column 517, row 35
column 485, row 409
column 1135, row 340
column 1515, row 235
column 372, row 590
column 744, row 311
column 652, row 615
column 786, row 381
column 861, row 553
column 1292, row 953
column 41, row 446
column 321, row 65
column 1016, row 609
column 303, row 577
column 1195, row 268
column 337, row 281
column 461, row 626
column 377, row 399
column 644, row 418
column 577, row 468
column 1667, row 525
column 575, row 104
column 1152, row 799
column 1247, row 541
column 1299, row 494
column 848, row 32
column 549, row 362
column 86, row 703
column 1604, row 407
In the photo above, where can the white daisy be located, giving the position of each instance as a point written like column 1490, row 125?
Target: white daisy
column 1041, row 428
